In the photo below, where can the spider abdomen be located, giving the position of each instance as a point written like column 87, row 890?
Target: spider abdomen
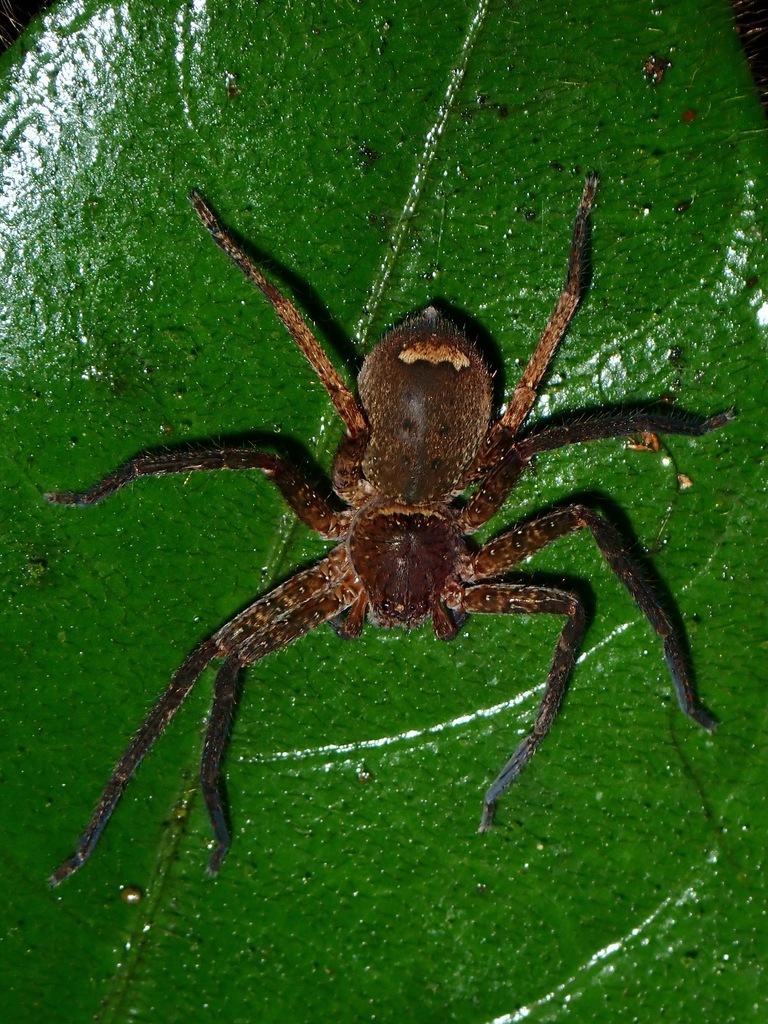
column 426, row 392
column 404, row 558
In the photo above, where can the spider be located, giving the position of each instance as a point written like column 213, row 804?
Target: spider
column 418, row 437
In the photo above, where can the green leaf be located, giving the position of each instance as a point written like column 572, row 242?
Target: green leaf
column 379, row 157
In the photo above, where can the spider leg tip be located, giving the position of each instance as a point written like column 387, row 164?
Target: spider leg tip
column 706, row 721
column 486, row 822
column 61, row 498
column 62, row 873
column 201, row 207
column 214, row 864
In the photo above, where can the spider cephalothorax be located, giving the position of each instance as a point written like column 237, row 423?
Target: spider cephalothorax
column 420, row 433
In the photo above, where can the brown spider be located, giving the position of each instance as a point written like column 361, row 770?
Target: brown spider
column 419, row 435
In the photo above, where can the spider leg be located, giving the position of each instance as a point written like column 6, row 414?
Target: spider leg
column 308, row 505
column 350, row 625
column 346, row 404
column 274, row 620
column 601, row 427
column 153, row 725
column 528, row 387
column 348, row 478
column 500, row 554
column 266, row 626
column 225, row 694
column 495, row 488
column 492, row 492
column 523, row 599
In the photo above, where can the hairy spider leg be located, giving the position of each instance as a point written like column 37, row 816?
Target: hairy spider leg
column 495, row 488
column 575, row 285
column 607, row 425
column 309, row 506
column 274, row 620
column 499, row 434
column 325, row 597
column 526, row 599
column 343, row 399
column 226, row 691
column 517, row 544
column 153, row 725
